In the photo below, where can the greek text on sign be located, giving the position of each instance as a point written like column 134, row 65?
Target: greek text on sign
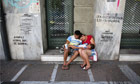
column 109, row 18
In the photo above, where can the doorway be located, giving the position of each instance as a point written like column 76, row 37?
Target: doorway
column 131, row 26
column 59, row 22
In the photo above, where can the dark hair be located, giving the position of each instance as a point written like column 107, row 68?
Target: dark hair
column 82, row 35
column 92, row 46
column 77, row 32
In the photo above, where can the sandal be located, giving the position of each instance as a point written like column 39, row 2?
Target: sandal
column 82, row 66
column 85, row 68
column 65, row 67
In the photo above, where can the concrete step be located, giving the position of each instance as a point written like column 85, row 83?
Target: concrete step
column 129, row 57
column 57, row 58
column 55, row 55
column 130, row 51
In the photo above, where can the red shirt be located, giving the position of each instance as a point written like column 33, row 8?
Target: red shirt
column 88, row 39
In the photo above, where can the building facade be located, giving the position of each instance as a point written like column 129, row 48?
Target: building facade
column 36, row 26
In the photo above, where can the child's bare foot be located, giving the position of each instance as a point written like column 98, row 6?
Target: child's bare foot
column 65, row 67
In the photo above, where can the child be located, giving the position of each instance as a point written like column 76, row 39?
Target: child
column 91, row 47
column 93, row 55
column 71, row 40
column 86, row 46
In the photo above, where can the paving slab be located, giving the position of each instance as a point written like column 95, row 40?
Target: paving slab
column 75, row 73
column 107, row 72
column 68, row 82
column 10, row 83
column 9, row 69
column 37, row 72
column 135, row 68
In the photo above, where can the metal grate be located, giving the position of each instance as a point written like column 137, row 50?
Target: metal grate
column 131, row 25
column 60, row 21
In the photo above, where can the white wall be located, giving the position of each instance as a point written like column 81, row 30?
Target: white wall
column 23, row 20
column 83, row 16
column 108, row 20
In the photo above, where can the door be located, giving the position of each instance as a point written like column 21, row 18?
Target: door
column 59, row 21
column 131, row 25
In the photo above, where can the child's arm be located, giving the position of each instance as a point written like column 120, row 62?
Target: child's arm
column 75, row 47
column 67, row 42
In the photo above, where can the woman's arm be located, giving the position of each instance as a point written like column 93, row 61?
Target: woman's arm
column 92, row 41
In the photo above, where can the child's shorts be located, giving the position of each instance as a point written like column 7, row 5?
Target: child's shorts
column 72, row 51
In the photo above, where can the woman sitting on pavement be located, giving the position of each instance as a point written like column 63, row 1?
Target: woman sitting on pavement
column 85, row 53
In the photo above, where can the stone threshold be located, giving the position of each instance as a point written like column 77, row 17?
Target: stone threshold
column 55, row 55
column 129, row 57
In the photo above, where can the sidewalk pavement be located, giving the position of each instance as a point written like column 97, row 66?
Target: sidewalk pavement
column 101, row 72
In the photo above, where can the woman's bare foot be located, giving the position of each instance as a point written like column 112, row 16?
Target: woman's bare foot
column 83, row 65
column 86, row 68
